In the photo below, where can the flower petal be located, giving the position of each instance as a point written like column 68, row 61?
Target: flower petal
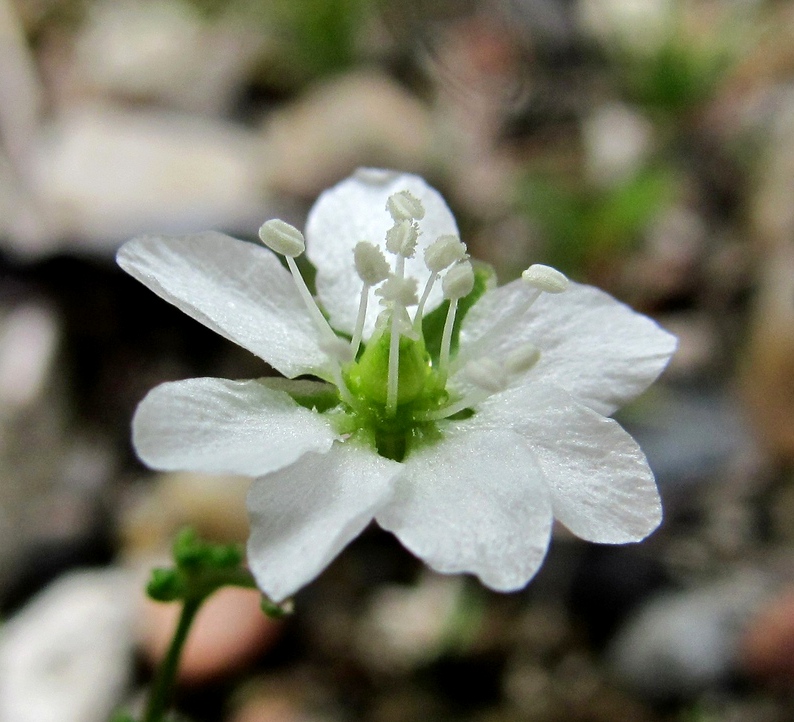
column 353, row 211
column 593, row 346
column 237, row 289
column 601, row 485
column 304, row 515
column 219, row 426
column 474, row 502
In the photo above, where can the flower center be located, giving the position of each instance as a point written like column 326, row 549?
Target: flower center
column 390, row 387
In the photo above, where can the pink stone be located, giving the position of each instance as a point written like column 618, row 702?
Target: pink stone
column 229, row 632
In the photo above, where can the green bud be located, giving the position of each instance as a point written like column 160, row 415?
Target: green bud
column 165, row 585
column 189, row 552
column 224, row 556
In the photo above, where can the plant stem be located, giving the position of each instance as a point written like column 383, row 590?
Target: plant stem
column 163, row 685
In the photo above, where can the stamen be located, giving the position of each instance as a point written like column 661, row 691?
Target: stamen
column 486, row 374
column 545, row 278
column 401, row 238
column 287, row 240
column 443, row 252
column 398, row 292
column 539, row 279
column 407, row 327
column 522, row 359
column 422, row 301
column 405, row 206
column 337, row 348
column 488, row 378
column 372, row 268
column 457, row 283
column 358, row 332
column 397, row 310
column 439, row 255
column 401, row 291
column 393, row 378
column 467, row 402
column 308, row 300
column 371, row 265
column 282, row 238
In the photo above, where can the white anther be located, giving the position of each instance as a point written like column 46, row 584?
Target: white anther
column 443, row 252
column 371, row 266
column 401, row 291
column 404, row 206
column 458, row 281
column 282, row 238
column 287, row 240
column 337, row 348
column 522, row 359
column 545, row 278
column 401, row 238
column 486, row 374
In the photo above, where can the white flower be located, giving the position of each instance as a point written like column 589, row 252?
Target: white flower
column 465, row 438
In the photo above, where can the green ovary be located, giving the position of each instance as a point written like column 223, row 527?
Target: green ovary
column 369, row 376
column 419, row 389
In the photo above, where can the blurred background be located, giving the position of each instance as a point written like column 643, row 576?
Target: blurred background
column 645, row 146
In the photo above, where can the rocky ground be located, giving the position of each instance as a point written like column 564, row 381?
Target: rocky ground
column 645, row 148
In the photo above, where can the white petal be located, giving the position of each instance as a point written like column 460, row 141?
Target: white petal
column 474, row 502
column 353, row 211
column 593, row 346
column 218, row 426
column 235, row 288
column 304, row 515
column 602, row 488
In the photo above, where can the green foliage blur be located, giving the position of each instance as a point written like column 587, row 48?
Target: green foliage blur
column 307, row 39
column 582, row 226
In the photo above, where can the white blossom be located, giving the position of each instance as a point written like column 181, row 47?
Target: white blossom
column 466, row 450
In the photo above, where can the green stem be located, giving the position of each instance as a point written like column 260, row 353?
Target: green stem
column 162, row 688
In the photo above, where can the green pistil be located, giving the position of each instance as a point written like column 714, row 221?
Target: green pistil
column 420, row 389
column 368, row 377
